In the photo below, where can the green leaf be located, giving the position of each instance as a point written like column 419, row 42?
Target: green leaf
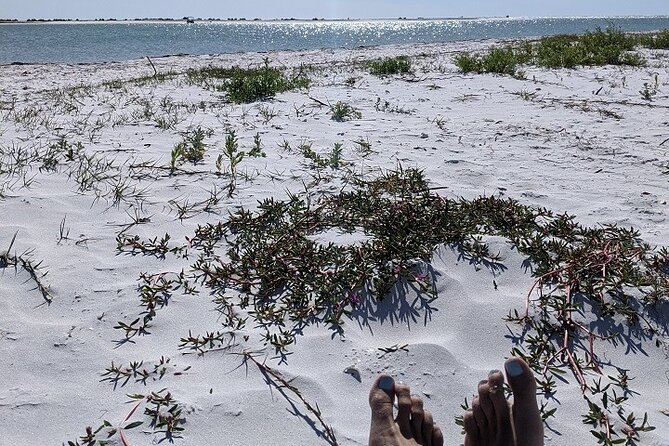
column 133, row 425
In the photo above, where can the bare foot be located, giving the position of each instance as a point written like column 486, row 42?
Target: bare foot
column 492, row 421
column 413, row 426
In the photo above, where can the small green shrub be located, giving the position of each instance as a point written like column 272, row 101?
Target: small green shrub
column 341, row 111
column 191, row 148
column 245, row 85
column 500, row 60
column 335, row 160
column 234, row 156
column 390, row 65
column 497, row 60
column 469, row 63
column 658, row 41
column 257, row 151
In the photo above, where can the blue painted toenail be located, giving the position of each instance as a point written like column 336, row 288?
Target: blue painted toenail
column 513, row 368
column 386, row 383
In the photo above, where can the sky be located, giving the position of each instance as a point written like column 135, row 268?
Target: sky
column 329, row 9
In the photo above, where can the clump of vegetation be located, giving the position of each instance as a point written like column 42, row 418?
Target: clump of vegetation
column 469, row 63
column 268, row 267
column 343, row 111
column 600, row 47
column 648, row 91
column 245, row 85
column 656, row 41
column 256, row 150
column 162, row 413
column 191, row 148
column 24, row 261
column 565, row 254
column 332, row 160
column 234, row 157
column 390, row 65
column 609, row 47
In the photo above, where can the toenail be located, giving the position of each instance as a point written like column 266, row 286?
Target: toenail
column 513, row 368
column 386, row 383
column 493, row 371
column 483, row 381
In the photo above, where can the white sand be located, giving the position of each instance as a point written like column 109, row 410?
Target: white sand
column 560, row 150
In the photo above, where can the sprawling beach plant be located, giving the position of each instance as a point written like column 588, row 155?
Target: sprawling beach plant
column 284, row 275
column 588, row 281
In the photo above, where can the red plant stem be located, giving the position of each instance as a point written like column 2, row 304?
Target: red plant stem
column 551, row 359
column 607, row 425
column 539, row 283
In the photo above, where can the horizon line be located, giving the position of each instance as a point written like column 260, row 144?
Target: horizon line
column 314, row 19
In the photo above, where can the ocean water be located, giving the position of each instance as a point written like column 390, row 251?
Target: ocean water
column 116, row 41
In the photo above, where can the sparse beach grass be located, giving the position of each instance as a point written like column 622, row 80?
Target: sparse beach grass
column 241, row 206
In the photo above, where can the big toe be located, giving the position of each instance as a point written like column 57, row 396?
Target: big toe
column 381, row 397
column 382, row 431
column 528, row 426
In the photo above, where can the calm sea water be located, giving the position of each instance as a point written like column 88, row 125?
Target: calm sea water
column 116, row 41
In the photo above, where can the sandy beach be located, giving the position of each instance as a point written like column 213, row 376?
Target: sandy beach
column 87, row 163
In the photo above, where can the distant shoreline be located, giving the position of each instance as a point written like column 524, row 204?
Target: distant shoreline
column 291, row 19
column 229, row 20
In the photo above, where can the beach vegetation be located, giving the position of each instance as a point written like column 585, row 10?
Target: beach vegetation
column 234, row 157
column 594, row 48
column 500, row 60
column 390, row 65
column 469, row 63
column 526, row 95
column 343, row 111
column 246, row 85
column 140, row 372
column 25, row 262
column 306, row 151
column 364, row 147
column 267, row 113
column 440, row 122
column 167, row 121
column 351, row 81
column 386, row 107
column 256, row 150
column 565, row 257
column 648, row 91
column 272, row 271
column 333, row 159
column 162, row 413
column 192, row 147
column 657, row 41
column 63, row 231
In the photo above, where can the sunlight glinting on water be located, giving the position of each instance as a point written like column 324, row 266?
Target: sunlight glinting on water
column 121, row 40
